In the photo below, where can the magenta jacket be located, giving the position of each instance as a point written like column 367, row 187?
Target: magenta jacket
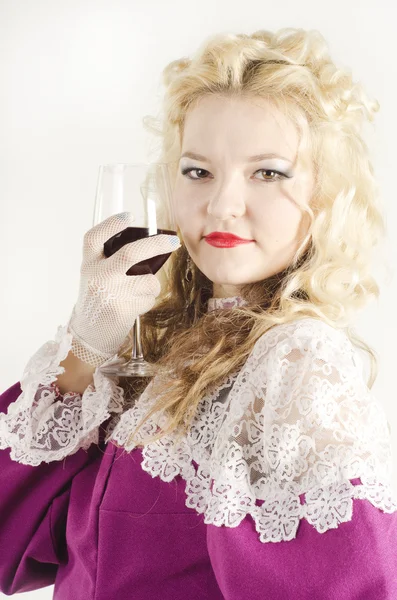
column 98, row 527
column 280, row 490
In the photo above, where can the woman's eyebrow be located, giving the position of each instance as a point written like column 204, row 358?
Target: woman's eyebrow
column 255, row 158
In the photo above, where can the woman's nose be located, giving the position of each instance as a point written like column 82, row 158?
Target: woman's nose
column 227, row 202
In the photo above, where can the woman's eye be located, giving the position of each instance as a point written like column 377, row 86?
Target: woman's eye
column 276, row 175
column 186, row 171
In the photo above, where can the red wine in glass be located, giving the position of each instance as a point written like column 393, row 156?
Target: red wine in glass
column 144, row 190
column 132, row 234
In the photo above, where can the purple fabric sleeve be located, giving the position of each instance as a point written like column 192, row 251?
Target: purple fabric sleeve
column 33, row 508
column 355, row 561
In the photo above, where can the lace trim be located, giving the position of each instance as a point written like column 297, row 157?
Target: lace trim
column 42, row 425
column 231, row 302
column 297, row 420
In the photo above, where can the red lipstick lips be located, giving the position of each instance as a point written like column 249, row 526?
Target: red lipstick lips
column 225, row 240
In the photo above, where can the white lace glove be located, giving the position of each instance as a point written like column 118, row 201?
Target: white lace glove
column 109, row 300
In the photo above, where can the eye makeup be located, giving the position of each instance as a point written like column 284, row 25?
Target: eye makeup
column 280, row 175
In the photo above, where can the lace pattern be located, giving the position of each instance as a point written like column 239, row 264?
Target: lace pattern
column 282, row 439
column 298, row 421
column 42, row 425
column 231, row 302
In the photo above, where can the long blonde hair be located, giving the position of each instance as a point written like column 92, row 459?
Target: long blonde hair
column 330, row 276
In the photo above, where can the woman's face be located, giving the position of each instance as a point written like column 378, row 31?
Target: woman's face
column 228, row 192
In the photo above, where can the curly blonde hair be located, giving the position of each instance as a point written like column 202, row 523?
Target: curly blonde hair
column 330, row 275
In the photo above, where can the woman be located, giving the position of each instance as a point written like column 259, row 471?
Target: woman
column 257, row 463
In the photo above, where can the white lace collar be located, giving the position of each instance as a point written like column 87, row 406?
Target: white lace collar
column 297, row 419
column 231, row 302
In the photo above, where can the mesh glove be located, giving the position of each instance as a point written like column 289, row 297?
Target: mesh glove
column 109, row 300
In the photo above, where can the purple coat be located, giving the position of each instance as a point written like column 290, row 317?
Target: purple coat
column 100, row 528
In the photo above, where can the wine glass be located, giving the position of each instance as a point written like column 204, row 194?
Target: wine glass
column 143, row 189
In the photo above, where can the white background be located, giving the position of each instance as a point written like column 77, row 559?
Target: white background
column 78, row 76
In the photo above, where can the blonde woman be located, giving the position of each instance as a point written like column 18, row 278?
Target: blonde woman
column 257, row 464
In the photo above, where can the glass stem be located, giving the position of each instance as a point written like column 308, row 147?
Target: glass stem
column 137, row 349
